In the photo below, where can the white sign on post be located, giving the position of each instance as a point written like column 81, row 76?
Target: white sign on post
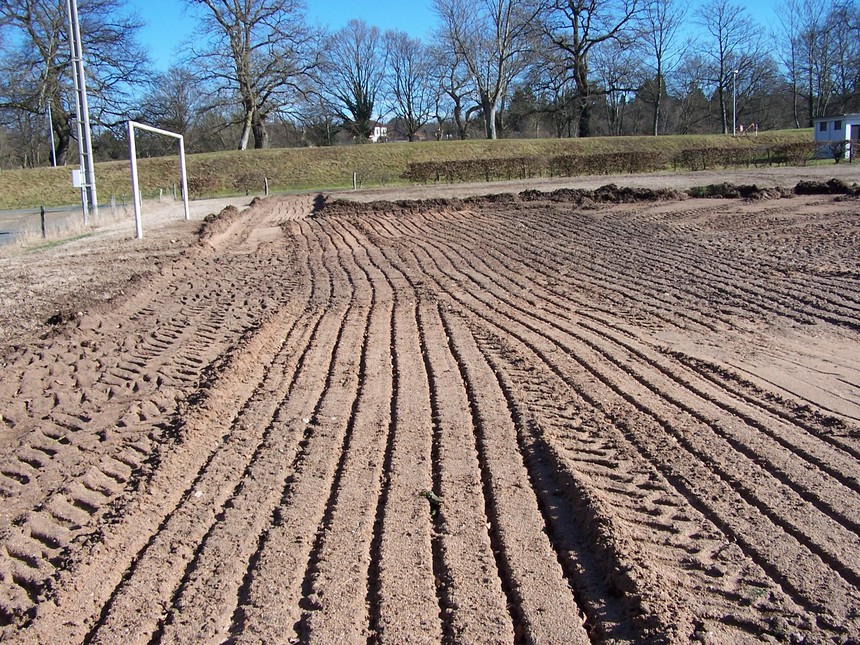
column 76, row 179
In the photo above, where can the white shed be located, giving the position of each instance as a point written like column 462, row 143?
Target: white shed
column 379, row 133
column 833, row 130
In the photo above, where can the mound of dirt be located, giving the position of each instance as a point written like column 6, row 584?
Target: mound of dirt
column 734, row 191
column 215, row 224
column 495, row 198
column 608, row 194
column 830, row 187
column 325, row 204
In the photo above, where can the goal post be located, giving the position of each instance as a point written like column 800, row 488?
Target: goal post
column 135, row 187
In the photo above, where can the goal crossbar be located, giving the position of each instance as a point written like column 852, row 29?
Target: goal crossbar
column 135, row 188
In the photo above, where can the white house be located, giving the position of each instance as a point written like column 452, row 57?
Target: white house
column 833, row 130
column 379, row 133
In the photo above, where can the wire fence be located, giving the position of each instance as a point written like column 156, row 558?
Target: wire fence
column 25, row 225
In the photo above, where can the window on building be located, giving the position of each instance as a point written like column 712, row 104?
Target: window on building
column 822, row 127
column 837, row 125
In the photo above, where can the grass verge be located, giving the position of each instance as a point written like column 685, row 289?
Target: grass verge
column 296, row 169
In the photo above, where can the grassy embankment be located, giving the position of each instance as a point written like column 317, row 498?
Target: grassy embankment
column 297, row 169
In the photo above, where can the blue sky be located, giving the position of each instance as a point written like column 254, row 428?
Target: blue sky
column 170, row 24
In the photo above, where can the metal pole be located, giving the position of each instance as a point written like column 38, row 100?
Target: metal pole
column 86, row 143
column 84, row 204
column 184, row 178
column 135, row 191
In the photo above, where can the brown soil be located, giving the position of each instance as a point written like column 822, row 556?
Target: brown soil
column 549, row 418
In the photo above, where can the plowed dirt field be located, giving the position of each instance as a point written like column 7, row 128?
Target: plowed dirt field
column 530, row 419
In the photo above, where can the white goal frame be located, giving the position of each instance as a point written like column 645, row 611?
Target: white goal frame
column 135, row 187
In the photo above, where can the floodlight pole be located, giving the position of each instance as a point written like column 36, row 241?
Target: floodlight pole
column 78, row 127
column 735, row 103
column 135, row 186
column 85, row 144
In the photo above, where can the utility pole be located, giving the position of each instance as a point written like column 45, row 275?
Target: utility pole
column 89, row 201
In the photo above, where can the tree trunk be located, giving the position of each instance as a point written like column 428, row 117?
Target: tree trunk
column 458, row 119
column 794, row 109
column 61, row 124
column 246, row 132
column 657, row 100
column 62, row 140
column 723, row 110
column 585, row 118
column 584, row 91
column 489, row 108
column 261, row 135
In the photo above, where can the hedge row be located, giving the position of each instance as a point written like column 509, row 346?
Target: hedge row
column 608, row 163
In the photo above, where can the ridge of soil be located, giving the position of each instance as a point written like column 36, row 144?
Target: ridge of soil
column 614, row 415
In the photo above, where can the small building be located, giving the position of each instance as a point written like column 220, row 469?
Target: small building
column 379, row 132
column 834, row 131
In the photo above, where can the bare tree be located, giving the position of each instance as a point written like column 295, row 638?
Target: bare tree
column 320, row 124
column 176, row 102
column 493, row 39
column 551, row 78
column 410, row 80
column 790, row 21
column 575, row 27
column 846, row 60
column 261, row 53
column 660, row 35
column 732, row 49
column 809, row 42
column 620, row 75
column 454, row 92
column 355, row 75
column 35, row 64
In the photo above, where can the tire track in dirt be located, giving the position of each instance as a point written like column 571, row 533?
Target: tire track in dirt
column 704, row 275
column 545, row 610
column 463, row 548
column 479, row 287
column 550, row 614
column 168, row 428
column 292, row 541
column 227, row 491
column 801, row 303
column 812, row 490
column 548, row 278
column 402, row 593
column 446, row 423
column 236, row 538
column 615, row 360
column 600, row 599
column 609, row 587
column 334, row 596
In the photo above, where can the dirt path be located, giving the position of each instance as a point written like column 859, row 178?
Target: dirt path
column 497, row 421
